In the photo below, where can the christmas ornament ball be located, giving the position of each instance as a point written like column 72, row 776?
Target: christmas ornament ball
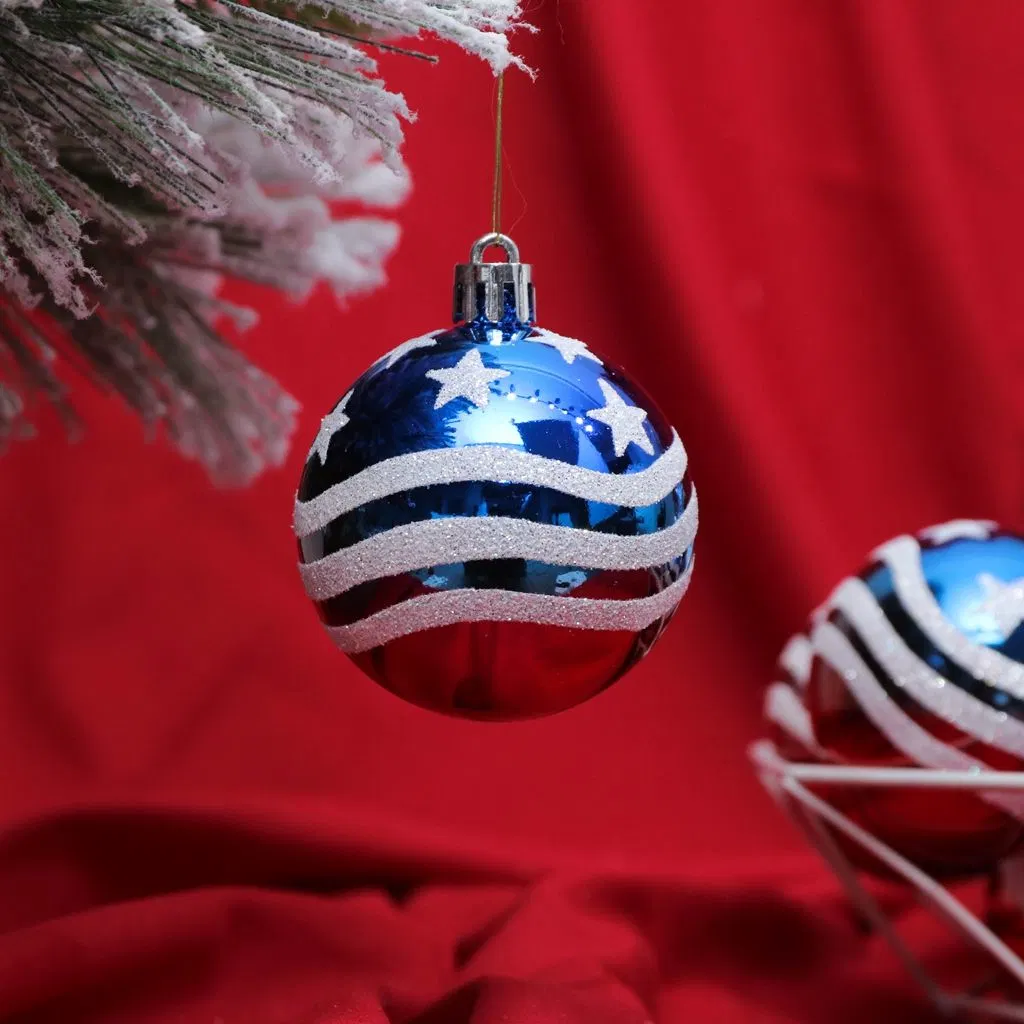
column 919, row 661
column 493, row 522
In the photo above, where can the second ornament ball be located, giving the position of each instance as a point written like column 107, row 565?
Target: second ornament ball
column 493, row 522
column 918, row 661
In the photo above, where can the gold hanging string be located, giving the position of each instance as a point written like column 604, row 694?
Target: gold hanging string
column 499, row 130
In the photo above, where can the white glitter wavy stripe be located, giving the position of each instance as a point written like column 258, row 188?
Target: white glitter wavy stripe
column 492, row 464
column 782, row 705
column 958, row 529
column 853, row 598
column 796, row 658
column 451, row 606
column 898, row 728
column 469, row 539
column 903, row 557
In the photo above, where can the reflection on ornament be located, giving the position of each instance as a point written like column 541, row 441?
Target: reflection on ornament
column 505, row 525
column 898, row 668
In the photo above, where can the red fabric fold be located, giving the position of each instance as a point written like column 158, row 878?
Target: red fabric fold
column 287, row 944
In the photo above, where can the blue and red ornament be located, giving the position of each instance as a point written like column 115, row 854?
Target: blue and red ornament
column 918, row 661
column 493, row 522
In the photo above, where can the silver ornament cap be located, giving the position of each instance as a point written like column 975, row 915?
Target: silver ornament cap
column 494, row 291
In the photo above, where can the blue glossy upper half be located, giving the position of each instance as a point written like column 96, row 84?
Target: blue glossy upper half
column 540, row 408
column 955, row 572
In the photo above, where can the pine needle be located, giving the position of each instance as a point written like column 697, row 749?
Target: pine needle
column 149, row 147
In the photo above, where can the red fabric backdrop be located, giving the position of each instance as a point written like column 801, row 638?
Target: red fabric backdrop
column 799, row 224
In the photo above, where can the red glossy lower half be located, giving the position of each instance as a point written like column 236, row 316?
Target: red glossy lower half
column 947, row 833
column 512, row 670
column 501, row 670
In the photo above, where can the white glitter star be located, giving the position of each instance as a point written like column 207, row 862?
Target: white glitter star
column 395, row 354
column 568, row 348
column 1003, row 601
column 329, row 426
column 626, row 421
column 469, row 378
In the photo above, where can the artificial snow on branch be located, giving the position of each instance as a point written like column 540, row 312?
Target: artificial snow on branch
column 148, row 147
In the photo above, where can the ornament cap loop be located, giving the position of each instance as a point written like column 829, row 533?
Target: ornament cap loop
column 495, row 292
column 481, row 245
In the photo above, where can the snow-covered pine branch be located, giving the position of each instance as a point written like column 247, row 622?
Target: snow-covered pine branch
column 149, row 146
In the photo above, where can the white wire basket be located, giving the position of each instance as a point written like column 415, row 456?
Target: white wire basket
column 788, row 783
